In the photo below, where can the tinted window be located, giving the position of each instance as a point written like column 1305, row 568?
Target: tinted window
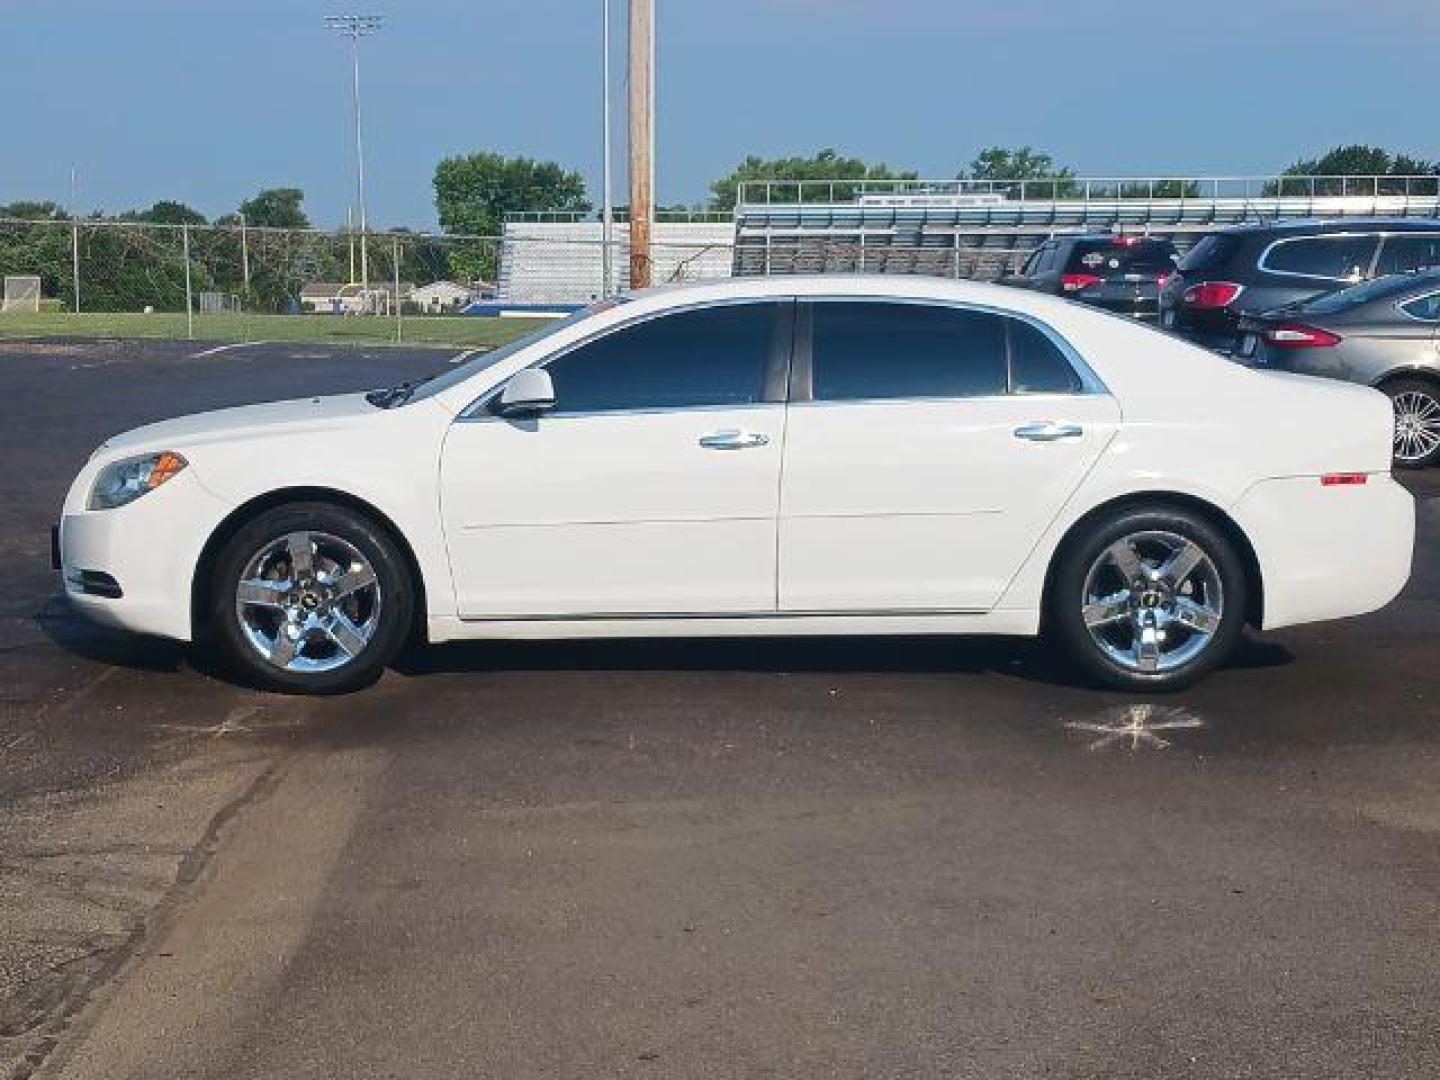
column 1210, row 252
column 1424, row 307
column 1116, row 257
column 1037, row 366
column 880, row 350
column 1335, row 257
column 1405, row 254
column 709, row 356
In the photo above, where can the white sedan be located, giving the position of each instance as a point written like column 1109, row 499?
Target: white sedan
column 829, row 455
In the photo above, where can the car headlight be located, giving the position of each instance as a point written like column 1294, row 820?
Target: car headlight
column 123, row 482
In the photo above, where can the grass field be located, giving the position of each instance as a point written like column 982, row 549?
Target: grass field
column 428, row 330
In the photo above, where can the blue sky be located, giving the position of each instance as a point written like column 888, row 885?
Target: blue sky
column 206, row 102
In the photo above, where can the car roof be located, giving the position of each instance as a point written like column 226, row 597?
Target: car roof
column 1341, row 224
column 1114, row 237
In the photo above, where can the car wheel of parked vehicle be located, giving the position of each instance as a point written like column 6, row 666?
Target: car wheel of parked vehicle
column 1149, row 598
column 1417, row 422
column 311, row 598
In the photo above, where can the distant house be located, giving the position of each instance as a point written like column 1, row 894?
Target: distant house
column 440, row 296
column 324, row 298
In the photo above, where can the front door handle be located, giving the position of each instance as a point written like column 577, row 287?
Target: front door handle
column 733, row 439
column 1048, row 431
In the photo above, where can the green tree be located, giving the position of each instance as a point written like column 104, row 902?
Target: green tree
column 166, row 212
column 782, row 173
column 1356, row 160
column 1161, row 189
column 473, row 193
column 29, row 210
column 276, row 208
column 1005, row 168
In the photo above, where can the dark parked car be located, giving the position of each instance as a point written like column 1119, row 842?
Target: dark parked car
column 1384, row 333
column 1119, row 273
column 1254, row 268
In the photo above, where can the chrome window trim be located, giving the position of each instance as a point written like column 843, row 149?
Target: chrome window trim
column 597, row 414
column 1090, row 383
column 476, row 410
column 1401, row 305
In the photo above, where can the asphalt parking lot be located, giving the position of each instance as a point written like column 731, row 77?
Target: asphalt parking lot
column 898, row 858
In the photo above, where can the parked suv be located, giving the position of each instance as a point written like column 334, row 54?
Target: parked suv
column 1119, row 273
column 1253, row 268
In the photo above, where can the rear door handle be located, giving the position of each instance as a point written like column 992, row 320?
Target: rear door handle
column 733, row 439
column 1048, row 431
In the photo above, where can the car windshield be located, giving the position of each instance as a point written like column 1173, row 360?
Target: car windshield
column 442, row 381
column 1122, row 257
column 1379, row 289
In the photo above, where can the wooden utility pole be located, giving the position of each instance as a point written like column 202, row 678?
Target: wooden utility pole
column 642, row 138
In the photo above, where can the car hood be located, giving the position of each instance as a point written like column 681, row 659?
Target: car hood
column 244, row 422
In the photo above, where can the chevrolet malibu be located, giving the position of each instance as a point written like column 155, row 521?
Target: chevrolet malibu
column 761, row 457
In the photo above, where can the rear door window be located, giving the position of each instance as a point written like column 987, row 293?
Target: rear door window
column 1409, row 252
column 1333, row 258
column 871, row 350
column 1037, row 366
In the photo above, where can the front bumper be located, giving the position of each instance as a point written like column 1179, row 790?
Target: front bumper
column 133, row 567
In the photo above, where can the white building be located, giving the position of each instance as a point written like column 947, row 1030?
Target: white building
column 440, row 296
column 560, row 261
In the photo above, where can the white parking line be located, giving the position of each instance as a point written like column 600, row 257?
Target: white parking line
column 225, row 348
column 460, row 357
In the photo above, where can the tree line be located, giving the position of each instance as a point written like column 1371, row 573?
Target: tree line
column 474, row 194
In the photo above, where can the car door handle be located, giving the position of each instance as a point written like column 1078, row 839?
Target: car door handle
column 1048, row 431
column 733, row 439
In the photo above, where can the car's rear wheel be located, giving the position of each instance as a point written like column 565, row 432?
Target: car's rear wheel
column 1417, row 422
column 311, row 598
column 1149, row 599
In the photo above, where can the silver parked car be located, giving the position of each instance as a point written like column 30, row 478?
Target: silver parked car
column 1384, row 333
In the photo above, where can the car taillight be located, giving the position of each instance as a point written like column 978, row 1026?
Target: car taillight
column 1212, row 294
column 1076, row 282
column 1343, row 479
column 1294, row 336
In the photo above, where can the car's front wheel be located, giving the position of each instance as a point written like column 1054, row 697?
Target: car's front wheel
column 311, row 598
column 1417, row 423
column 1149, row 599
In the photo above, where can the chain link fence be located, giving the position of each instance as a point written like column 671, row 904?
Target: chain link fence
column 222, row 282
column 129, row 279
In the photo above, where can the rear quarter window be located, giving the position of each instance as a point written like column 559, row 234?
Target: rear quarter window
column 1212, row 251
column 1333, row 258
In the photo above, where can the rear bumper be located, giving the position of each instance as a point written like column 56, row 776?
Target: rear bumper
column 1328, row 552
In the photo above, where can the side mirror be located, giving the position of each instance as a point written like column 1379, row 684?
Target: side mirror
column 526, row 393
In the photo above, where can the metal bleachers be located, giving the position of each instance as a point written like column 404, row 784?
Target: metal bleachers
column 983, row 229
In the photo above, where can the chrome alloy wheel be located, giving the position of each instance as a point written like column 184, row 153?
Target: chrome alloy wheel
column 1417, row 425
column 308, row 601
column 1152, row 601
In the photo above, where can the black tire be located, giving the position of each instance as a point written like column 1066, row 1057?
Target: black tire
column 1416, row 394
column 335, row 535
column 1084, row 564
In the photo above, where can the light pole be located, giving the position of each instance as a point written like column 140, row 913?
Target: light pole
column 607, row 214
column 355, row 27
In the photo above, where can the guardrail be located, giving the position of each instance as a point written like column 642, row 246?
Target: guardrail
column 1086, row 189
